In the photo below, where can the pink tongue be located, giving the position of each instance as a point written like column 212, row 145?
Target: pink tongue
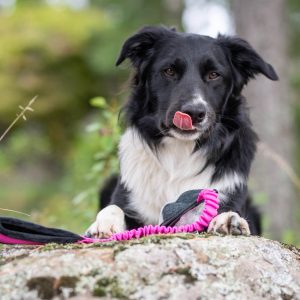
column 183, row 121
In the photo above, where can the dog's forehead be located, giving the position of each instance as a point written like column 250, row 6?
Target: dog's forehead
column 189, row 45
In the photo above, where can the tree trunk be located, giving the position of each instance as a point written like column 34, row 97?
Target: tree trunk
column 263, row 24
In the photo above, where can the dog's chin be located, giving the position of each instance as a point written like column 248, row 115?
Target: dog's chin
column 199, row 131
column 185, row 135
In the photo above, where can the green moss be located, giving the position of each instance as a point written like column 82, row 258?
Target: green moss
column 123, row 245
column 6, row 260
column 292, row 248
column 159, row 238
column 93, row 273
column 48, row 287
column 68, row 281
column 117, row 292
column 102, row 287
column 120, row 248
column 186, row 271
column 54, row 246
column 108, row 286
column 51, row 246
column 286, row 296
column 43, row 285
column 104, row 282
column 99, row 291
column 155, row 239
column 103, row 245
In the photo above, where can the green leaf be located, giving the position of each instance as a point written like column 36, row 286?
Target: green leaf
column 98, row 102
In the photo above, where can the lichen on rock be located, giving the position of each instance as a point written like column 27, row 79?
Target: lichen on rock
column 193, row 266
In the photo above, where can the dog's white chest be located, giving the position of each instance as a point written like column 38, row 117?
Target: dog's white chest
column 154, row 179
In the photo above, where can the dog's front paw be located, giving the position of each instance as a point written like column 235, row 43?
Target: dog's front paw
column 229, row 223
column 109, row 220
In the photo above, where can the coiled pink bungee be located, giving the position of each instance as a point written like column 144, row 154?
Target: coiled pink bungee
column 210, row 210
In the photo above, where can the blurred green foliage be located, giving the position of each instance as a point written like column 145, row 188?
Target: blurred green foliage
column 92, row 159
column 69, row 199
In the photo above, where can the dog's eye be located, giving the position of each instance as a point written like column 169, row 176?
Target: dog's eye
column 169, row 72
column 213, row 75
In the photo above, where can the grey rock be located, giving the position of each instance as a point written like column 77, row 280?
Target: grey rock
column 181, row 266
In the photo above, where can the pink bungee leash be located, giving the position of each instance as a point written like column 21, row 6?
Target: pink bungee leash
column 210, row 210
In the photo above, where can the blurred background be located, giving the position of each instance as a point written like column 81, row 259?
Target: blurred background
column 64, row 51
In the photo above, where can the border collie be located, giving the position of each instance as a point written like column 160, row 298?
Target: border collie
column 202, row 78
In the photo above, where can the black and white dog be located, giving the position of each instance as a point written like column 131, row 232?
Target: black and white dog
column 201, row 77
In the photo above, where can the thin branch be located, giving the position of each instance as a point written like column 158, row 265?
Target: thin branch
column 15, row 211
column 21, row 115
column 282, row 163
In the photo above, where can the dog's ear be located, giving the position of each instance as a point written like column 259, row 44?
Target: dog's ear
column 245, row 59
column 140, row 46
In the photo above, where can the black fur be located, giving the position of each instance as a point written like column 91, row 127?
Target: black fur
column 156, row 96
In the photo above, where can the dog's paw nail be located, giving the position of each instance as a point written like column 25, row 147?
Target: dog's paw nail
column 234, row 225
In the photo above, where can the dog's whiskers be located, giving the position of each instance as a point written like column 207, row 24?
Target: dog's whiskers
column 227, row 118
column 163, row 131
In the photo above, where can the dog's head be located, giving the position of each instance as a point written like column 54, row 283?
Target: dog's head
column 190, row 74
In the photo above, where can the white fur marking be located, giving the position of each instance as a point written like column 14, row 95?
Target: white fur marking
column 155, row 180
column 109, row 220
column 185, row 137
column 198, row 99
column 229, row 182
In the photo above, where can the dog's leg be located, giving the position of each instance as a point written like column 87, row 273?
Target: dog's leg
column 229, row 223
column 109, row 220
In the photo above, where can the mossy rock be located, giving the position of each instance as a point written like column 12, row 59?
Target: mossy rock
column 177, row 266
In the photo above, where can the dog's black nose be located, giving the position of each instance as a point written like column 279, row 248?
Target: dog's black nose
column 196, row 112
